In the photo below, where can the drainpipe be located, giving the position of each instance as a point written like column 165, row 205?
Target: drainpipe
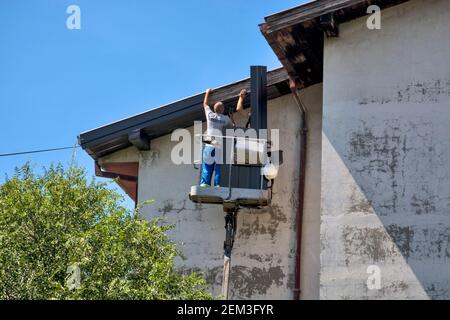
column 301, row 188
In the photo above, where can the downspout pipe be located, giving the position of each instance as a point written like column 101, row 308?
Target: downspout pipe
column 301, row 189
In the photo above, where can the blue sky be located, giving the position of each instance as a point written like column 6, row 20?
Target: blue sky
column 129, row 57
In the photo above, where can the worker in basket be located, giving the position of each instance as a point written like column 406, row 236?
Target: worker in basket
column 216, row 122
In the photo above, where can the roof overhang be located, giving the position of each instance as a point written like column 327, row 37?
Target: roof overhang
column 297, row 35
column 138, row 130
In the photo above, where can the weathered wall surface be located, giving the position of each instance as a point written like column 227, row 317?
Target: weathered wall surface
column 310, row 261
column 386, row 156
column 263, row 261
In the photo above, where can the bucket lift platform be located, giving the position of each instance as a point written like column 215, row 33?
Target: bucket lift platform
column 238, row 196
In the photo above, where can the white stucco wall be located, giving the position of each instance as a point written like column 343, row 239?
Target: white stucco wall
column 386, row 156
column 263, row 260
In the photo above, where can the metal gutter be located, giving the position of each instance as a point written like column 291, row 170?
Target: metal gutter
column 301, row 191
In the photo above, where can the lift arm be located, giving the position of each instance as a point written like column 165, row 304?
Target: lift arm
column 230, row 232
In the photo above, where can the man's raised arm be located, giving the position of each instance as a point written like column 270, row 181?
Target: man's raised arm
column 240, row 104
column 205, row 101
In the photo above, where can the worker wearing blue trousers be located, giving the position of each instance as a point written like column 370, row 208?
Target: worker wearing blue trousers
column 216, row 122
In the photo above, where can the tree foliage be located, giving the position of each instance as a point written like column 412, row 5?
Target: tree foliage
column 58, row 220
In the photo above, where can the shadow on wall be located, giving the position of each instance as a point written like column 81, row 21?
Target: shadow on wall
column 390, row 196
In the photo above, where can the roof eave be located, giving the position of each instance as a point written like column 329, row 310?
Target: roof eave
column 296, row 35
column 163, row 120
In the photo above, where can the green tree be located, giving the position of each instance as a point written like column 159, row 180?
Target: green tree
column 57, row 225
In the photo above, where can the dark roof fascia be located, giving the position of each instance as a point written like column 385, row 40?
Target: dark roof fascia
column 163, row 120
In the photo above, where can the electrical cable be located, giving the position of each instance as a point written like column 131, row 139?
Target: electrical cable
column 37, row 151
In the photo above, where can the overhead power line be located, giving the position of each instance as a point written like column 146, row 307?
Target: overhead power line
column 36, row 151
